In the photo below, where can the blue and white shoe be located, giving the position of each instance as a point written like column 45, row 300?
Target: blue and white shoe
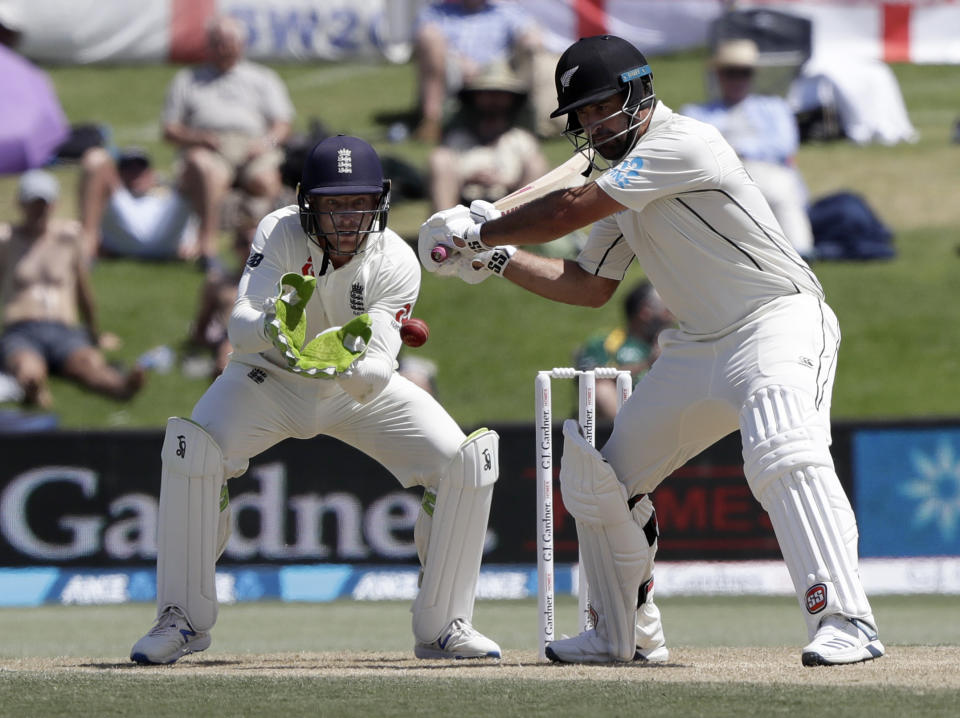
column 842, row 640
column 459, row 640
column 171, row 637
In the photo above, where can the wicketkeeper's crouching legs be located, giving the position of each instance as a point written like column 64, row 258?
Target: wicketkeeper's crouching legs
column 618, row 542
column 788, row 466
column 450, row 534
column 193, row 528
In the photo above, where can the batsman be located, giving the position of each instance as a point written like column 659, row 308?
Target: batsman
column 316, row 332
column 755, row 349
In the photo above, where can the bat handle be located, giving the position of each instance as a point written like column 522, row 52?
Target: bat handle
column 439, row 254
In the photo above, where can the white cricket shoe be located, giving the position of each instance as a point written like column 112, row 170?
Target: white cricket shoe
column 842, row 640
column 171, row 637
column 459, row 640
column 589, row 647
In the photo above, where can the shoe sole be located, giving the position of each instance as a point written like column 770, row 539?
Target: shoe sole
column 869, row 652
column 195, row 647
column 658, row 655
column 422, row 652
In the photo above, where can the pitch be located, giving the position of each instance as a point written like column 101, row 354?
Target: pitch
column 729, row 656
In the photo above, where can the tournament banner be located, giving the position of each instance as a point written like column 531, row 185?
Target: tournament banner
column 90, row 499
column 111, row 31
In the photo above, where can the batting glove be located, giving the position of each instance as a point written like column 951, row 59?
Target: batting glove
column 482, row 211
column 475, row 269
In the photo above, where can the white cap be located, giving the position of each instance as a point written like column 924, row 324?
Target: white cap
column 37, row 184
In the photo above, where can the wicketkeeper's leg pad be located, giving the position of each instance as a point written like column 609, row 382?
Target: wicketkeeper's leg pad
column 616, row 552
column 789, row 469
column 190, row 531
column 456, row 536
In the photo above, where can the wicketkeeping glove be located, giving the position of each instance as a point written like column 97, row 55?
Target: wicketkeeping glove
column 332, row 353
column 285, row 322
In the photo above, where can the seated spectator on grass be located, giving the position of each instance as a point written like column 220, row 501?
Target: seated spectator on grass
column 762, row 129
column 125, row 212
column 632, row 347
column 456, row 39
column 485, row 154
column 419, row 370
column 230, row 118
column 208, row 332
column 44, row 290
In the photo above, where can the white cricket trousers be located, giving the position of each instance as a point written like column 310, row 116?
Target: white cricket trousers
column 249, row 409
column 691, row 397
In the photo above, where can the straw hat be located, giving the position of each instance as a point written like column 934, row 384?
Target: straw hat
column 496, row 76
column 741, row 52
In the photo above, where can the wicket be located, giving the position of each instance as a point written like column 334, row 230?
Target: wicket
column 587, row 409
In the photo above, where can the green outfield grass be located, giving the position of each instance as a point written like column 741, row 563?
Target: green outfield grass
column 898, row 357
column 354, row 659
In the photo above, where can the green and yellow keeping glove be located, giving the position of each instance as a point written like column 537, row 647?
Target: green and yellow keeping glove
column 332, row 352
column 328, row 355
column 286, row 321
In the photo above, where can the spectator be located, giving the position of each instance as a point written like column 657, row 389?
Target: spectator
column 125, row 212
column 419, row 370
column 208, row 331
column 44, row 288
column 455, row 39
column 485, row 155
column 763, row 131
column 633, row 347
column 229, row 118
column 11, row 25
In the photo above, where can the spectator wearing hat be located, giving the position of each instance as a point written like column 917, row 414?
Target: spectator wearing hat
column 455, row 40
column 485, row 154
column 44, row 291
column 126, row 212
column 762, row 129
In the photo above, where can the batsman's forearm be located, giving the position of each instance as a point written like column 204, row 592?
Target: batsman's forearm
column 538, row 222
column 554, row 215
column 560, row 280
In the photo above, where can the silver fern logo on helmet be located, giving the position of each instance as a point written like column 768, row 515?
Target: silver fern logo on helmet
column 567, row 76
column 344, row 161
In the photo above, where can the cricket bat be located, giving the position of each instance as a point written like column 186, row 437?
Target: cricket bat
column 572, row 173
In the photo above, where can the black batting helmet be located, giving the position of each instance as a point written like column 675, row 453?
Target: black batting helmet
column 596, row 67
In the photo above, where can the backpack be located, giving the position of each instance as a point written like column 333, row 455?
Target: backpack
column 845, row 227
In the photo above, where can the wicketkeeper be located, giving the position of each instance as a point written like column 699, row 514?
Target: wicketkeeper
column 756, row 350
column 315, row 332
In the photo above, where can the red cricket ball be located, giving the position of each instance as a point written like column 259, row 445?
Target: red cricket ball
column 414, row 332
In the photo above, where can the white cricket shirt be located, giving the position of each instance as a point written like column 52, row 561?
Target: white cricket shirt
column 698, row 225
column 383, row 280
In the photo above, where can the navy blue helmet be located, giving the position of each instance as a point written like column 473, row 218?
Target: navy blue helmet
column 343, row 165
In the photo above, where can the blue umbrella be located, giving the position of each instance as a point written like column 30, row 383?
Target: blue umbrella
column 32, row 123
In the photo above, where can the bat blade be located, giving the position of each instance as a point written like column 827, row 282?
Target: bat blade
column 569, row 174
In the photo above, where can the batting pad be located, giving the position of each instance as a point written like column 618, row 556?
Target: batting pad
column 457, row 534
column 788, row 466
column 617, row 556
column 188, row 535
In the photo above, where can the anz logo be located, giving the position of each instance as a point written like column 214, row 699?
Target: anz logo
column 623, row 173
